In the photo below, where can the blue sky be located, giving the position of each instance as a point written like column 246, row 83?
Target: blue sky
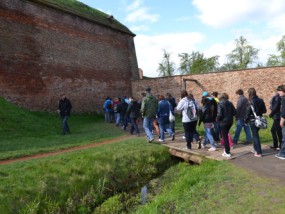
column 207, row 26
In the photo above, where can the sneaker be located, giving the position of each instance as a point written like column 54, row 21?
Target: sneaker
column 212, row 149
column 226, row 155
column 160, row 140
column 277, row 148
column 273, row 147
column 253, row 151
column 150, row 140
column 202, row 146
column 282, row 158
column 173, row 137
column 186, row 148
column 258, row 155
column 277, row 155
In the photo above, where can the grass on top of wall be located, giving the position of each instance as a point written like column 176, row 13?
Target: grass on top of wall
column 84, row 10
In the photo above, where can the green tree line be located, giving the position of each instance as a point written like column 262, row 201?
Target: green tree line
column 243, row 56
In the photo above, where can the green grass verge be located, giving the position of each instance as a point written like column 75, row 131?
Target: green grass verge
column 23, row 132
column 213, row 187
column 79, row 181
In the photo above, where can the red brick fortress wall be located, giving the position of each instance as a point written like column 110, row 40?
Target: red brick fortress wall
column 45, row 51
column 264, row 80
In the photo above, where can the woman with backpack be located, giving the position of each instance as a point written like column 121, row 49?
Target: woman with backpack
column 189, row 117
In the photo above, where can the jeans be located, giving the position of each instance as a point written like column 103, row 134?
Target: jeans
column 216, row 131
column 162, row 127
column 172, row 126
column 225, row 128
column 276, row 133
column 65, row 127
column 208, row 136
column 282, row 150
column 117, row 118
column 256, row 140
column 189, row 129
column 147, row 124
column 241, row 124
column 108, row 116
column 134, row 126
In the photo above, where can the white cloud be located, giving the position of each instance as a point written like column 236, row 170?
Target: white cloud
column 183, row 18
column 136, row 4
column 142, row 14
column 138, row 13
column 149, row 49
column 139, row 28
column 221, row 13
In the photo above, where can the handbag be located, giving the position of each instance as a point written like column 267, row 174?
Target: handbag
column 260, row 122
column 171, row 116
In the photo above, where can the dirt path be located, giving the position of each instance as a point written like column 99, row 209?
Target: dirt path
column 268, row 166
column 3, row 162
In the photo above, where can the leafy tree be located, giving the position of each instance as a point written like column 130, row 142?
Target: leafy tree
column 196, row 63
column 278, row 60
column 166, row 67
column 242, row 56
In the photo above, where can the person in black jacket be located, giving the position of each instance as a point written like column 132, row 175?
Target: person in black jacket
column 259, row 107
column 64, row 108
column 225, row 117
column 241, row 107
column 133, row 112
column 281, row 92
column 208, row 118
column 276, row 131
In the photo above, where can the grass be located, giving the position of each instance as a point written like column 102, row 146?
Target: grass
column 81, row 9
column 214, row 187
column 66, row 180
column 23, row 132
column 105, row 179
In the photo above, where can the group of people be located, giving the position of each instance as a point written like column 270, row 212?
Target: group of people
column 217, row 113
column 123, row 111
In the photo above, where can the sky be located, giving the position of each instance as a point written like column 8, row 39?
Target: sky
column 208, row 26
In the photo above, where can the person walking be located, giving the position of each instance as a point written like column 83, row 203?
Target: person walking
column 216, row 130
column 148, row 111
column 117, row 110
column 108, row 109
column 207, row 117
column 276, row 130
column 173, row 103
column 189, row 122
column 225, row 117
column 257, row 104
column 164, row 107
column 64, row 108
column 281, row 92
column 242, row 105
column 133, row 112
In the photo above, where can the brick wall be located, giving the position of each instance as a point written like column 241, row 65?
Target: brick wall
column 264, row 80
column 45, row 51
